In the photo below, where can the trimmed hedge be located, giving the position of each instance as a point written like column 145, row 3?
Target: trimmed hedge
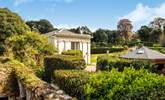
column 72, row 81
column 73, row 53
column 130, row 84
column 100, row 50
column 62, row 62
column 108, row 62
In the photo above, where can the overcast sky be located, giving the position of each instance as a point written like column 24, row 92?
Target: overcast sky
column 92, row 13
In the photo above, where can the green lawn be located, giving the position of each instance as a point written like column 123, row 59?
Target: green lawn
column 94, row 56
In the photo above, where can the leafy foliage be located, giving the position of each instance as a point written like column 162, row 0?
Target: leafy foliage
column 72, row 81
column 73, row 53
column 43, row 26
column 62, row 62
column 127, row 85
column 81, row 30
column 108, row 62
column 29, row 48
column 11, row 24
column 130, row 84
column 99, row 50
column 125, row 28
column 100, row 36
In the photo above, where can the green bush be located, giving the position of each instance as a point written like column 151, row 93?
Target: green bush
column 40, row 72
column 130, row 84
column 149, row 44
column 127, row 85
column 62, row 62
column 108, row 62
column 72, row 81
column 100, row 50
column 73, row 52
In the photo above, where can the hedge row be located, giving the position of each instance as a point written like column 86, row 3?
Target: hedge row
column 72, row 81
column 73, row 53
column 130, row 84
column 100, row 50
column 127, row 85
column 62, row 62
column 107, row 63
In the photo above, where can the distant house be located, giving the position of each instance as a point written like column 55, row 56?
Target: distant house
column 66, row 40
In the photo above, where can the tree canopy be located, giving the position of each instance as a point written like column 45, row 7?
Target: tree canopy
column 125, row 28
column 18, row 42
column 43, row 26
column 100, row 36
column 10, row 23
column 82, row 30
column 29, row 48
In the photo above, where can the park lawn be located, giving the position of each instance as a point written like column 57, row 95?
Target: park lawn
column 116, row 54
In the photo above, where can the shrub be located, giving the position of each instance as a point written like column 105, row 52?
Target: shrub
column 127, row 85
column 62, row 62
column 149, row 44
column 40, row 72
column 108, row 62
column 72, row 81
column 100, row 50
column 29, row 48
column 73, row 52
column 114, row 85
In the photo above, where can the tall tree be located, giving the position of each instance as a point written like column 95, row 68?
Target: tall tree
column 100, row 36
column 158, row 22
column 43, row 26
column 29, row 48
column 10, row 24
column 144, row 33
column 125, row 27
column 82, row 30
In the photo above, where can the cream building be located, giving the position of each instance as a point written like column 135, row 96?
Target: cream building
column 66, row 40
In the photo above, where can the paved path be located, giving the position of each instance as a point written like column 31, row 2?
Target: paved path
column 91, row 68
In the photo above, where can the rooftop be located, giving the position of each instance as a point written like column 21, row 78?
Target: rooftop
column 144, row 53
column 67, row 33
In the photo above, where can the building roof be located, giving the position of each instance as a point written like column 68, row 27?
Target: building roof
column 144, row 53
column 66, row 33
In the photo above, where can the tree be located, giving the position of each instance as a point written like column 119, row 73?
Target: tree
column 125, row 27
column 82, row 30
column 29, row 48
column 100, row 36
column 10, row 24
column 144, row 33
column 43, row 26
column 113, row 37
column 158, row 22
column 155, row 35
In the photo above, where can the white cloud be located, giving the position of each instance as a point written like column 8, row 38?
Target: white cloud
column 19, row 2
column 143, row 14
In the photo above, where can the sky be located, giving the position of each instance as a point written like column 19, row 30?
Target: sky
column 94, row 14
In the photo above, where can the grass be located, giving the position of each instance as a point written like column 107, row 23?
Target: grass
column 116, row 54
